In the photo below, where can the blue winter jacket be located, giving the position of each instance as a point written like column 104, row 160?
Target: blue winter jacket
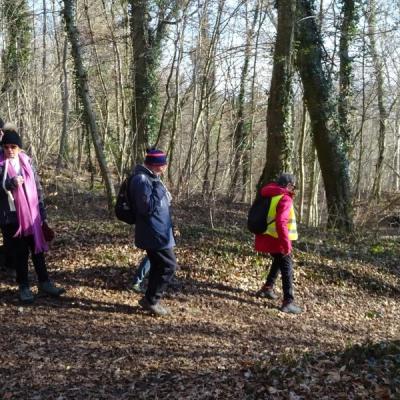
column 153, row 228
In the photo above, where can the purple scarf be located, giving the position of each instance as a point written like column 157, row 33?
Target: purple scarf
column 26, row 202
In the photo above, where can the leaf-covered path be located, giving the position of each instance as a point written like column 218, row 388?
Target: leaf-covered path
column 221, row 341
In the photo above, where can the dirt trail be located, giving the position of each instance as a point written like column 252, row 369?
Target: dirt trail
column 95, row 343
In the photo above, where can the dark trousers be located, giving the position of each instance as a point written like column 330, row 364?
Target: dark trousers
column 162, row 269
column 17, row 252
column 282, row 263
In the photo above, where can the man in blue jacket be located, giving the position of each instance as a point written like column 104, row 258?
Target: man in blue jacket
column 153, row 229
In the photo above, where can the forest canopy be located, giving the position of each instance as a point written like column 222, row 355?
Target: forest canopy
column 92, row 83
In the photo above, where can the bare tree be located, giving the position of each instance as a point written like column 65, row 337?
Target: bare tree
column 83, row 92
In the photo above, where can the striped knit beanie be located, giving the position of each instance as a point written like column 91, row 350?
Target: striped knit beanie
column 155, row 157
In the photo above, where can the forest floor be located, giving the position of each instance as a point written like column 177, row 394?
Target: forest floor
column 222, row 342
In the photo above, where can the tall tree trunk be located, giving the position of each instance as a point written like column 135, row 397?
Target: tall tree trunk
column 328, row 143
column 241, row 132
column 146, row 42
column 62, row 54
column 63, row 151
column 360, row 134
column 301, row 177
column 122, row 129
column 347, row 32
column 279, row 129
column 203, row 85
column 83, row 93
column 378, row 68
column 104, row 114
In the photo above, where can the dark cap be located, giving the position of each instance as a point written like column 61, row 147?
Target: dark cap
column 284, row 179
column 11, row 137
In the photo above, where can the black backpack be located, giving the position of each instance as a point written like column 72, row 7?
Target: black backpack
column 124, row 207
column 257, row 216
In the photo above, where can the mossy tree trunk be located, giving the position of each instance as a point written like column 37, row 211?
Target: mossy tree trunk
column 279, row 120
column 324, row 125
column 347, row 32
column 146, row 41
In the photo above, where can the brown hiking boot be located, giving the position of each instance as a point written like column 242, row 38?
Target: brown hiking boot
column 267, row 292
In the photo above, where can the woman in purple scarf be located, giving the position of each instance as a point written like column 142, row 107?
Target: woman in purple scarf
column 22, row 214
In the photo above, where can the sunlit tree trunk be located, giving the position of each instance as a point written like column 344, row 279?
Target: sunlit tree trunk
column 203, row 83
column 371, row 17
column 301, row 178
column 63, row 149
column 104, row 95
column 241, row 132
column 61, row 41
column 84, row 95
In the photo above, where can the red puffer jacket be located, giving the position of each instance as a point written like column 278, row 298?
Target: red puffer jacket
column 282, row 244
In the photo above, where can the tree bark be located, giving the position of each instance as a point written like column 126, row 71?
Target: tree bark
column 371, row 17
column 146, row 42
column 328, row 143
column 279, row 127
column 347, row 32
column 241, row 133
column 83, row 93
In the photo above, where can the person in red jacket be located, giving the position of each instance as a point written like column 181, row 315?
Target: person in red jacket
column 277, row 240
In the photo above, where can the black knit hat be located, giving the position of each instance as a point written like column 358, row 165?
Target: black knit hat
column 284, row 179
column 11, row 137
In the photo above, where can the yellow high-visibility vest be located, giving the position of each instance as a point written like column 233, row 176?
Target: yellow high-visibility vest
column 292, row 226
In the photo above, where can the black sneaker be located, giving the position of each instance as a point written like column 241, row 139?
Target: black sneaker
column 267, row 292
column 48, row 288
column 291, row 308
column 156, row 309
column 25, row 294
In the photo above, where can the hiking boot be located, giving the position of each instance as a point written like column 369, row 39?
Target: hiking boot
column 48, row 288
column 25, row 294
column 267, row 292
column 174, row 284
column 156, row 309
column 291, row 308
column 137, row 288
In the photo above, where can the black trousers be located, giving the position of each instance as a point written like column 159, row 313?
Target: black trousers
column 162, row 269
column 284, row 264
column 17, row 253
